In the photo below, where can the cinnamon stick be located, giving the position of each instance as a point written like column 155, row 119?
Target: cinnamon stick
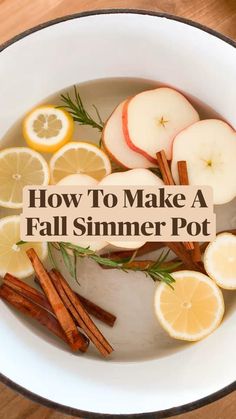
column 177, row 247
column 146, row 248
column 189, row 245
column 27, row 291
column 196, row 253
column 97, row 311
column 185, row 256
column 145, row 264
column 164, row 168
column 32, row 310
column 75, row 338
column 139, row 264
column 183, row 172
column 92, row 308
column 183, row 180
column 75, row 307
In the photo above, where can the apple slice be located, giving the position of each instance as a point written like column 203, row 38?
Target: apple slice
column 134, row 177
column 209, row 148
column 78, row 179
column 153, row 118
column 82, row 179
column 114, row 143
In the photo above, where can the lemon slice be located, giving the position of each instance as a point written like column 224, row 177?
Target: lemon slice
column 79, row 157
column 193, row 309
column 13, row 258
column 47, row 128
column 220, row 260
column 20, row 166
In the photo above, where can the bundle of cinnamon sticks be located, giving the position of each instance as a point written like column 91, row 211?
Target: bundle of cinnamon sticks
column 62, row 311
column 188, row 252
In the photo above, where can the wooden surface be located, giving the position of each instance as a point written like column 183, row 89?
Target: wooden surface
column 18, row 15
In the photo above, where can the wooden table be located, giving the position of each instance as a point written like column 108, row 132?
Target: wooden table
column 18, row 15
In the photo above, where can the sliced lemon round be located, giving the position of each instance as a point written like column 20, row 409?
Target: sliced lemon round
column 20, row 166
column 13, row 258
column 193, row 309
column 220, row 260
column 79, row 157
column 47, row 128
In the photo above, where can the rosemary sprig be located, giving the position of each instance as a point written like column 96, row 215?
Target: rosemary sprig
column 51, row 256
column 78, row 112
column 156, row 271
column 68, row 262
column 159, row 272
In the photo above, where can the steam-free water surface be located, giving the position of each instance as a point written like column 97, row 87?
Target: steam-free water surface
column 136, row 334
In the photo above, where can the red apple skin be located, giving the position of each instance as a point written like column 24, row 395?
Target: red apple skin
column 112, row 157
column 108, row 151
column 127, row 137
column 125, row 125
column 121, row 165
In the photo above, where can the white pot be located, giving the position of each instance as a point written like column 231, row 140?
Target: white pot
column 100, row 45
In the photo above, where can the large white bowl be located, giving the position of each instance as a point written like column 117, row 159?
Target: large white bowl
column 99, row 45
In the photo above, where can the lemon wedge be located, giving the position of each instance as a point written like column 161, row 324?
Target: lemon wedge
column 220, row 260
column 20, row 166
column 79, row 158
column 47, row 128
column 13, row 258
column 193, row 309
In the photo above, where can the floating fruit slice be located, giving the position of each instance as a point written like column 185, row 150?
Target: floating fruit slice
column 134, row 177
column 193, row 309
column 47, row 128
column 78, row 180
column 209, row 148
column 79, row 158
column 153, row 118
column 20, row 166
column 220, row 260
column 113, row 140
column 13, row 258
